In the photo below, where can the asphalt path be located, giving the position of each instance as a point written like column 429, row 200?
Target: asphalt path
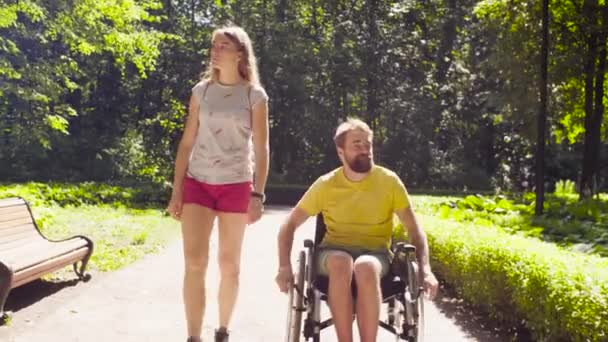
column 142, row 302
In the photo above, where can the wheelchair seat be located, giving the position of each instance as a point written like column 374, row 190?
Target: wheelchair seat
column 390, row 285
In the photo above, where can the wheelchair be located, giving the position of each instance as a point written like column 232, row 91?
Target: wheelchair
column 401, row 291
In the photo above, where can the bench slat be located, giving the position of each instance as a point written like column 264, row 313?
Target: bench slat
column 13, row 223
column 21, row 258
column 10, row 202
column 20, row 243
column 24, row 242
column 8, row 231
column 15, row 216
column 19, row 236
column 14, row 209
column 37, row 271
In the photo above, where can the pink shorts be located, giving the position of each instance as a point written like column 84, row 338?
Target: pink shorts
column 230, row 198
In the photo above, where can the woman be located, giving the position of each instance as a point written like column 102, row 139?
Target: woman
column 225, row 138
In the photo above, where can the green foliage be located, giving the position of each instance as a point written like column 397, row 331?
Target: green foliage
column 565, row 188
column 88, row 193
column 558, row 295
column 63, row 68
column 459, row 116
column 580, row 225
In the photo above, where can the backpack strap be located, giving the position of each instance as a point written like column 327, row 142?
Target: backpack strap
column 205, row 90
column 249, row 88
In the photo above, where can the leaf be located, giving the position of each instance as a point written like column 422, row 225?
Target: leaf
column 57, row 123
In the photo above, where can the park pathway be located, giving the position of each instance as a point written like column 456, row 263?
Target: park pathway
column 142, row 302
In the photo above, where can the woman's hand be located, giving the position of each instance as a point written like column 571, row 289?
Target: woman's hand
column 175, row 205
column 255, row 210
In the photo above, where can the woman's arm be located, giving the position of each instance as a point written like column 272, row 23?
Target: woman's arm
column 185, row 145
column 260, row 144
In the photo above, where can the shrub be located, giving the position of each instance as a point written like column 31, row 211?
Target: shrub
column 75, row 194
column 557, row 294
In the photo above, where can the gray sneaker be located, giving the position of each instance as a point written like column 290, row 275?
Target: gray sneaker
column 221, row 335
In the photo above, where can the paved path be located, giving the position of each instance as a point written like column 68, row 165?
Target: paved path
column 143, row 301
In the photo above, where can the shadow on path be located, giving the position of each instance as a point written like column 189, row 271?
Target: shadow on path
column 473, row 321
column 30, row 293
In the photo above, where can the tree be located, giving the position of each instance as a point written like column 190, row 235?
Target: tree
column 542, row 113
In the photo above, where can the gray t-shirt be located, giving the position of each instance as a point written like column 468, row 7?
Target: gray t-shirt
column 223, row 151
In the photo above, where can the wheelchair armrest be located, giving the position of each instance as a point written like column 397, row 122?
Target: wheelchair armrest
column 401, row 251
column 402, row 247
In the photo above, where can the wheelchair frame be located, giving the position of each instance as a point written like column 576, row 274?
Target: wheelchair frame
column 402, row 293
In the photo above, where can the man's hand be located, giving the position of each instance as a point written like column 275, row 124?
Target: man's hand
column 430, row 284
column 284, row 278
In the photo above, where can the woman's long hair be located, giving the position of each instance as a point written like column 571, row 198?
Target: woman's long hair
column 248, row 67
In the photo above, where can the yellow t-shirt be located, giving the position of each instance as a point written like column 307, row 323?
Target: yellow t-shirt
column 357, row 214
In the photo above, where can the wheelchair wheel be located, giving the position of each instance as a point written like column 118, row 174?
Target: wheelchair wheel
column 413, row 325
column 296, row 302
column 396, row 312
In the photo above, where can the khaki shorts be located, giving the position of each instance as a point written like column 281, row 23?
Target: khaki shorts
column 323, row 251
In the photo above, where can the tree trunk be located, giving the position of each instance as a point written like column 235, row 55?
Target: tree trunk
column 444, row 54
column 588, row 174
column 542, row 114
column 598, row 110
column 280, row 10
column 315, row 22
column 337, row 79
column 372, row 64
column 261, row 41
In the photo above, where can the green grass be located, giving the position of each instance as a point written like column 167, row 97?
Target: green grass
column 121, row 235
column 144, row 195
column 581, row 226
column 124, row 222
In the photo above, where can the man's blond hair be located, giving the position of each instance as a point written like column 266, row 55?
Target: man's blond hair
column 350, row 124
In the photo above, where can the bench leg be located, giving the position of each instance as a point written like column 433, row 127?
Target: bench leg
column 80, row 271
column 6, row 279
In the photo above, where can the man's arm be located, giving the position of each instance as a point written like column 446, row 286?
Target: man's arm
column 296, row 217
column 417, row 236
column 418, row 239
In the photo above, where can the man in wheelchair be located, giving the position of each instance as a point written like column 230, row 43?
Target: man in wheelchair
column 357, row 202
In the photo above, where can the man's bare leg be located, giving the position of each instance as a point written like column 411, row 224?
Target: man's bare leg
column 340, row 269
column 369, row 296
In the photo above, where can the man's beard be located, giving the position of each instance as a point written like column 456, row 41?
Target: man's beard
column 360, row 163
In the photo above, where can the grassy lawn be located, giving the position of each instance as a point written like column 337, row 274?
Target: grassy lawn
column 124, row 222
column 121, row 235
column 580, row 226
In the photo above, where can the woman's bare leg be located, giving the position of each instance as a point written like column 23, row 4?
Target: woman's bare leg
column 231, row 231
column 197, row 223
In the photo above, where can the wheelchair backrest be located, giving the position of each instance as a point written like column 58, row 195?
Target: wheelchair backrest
column 320, row 229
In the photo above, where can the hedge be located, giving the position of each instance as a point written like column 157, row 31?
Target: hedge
column 91, row 193
column 557, row 294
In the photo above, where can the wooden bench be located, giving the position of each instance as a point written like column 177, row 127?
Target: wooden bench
column 26, row 255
